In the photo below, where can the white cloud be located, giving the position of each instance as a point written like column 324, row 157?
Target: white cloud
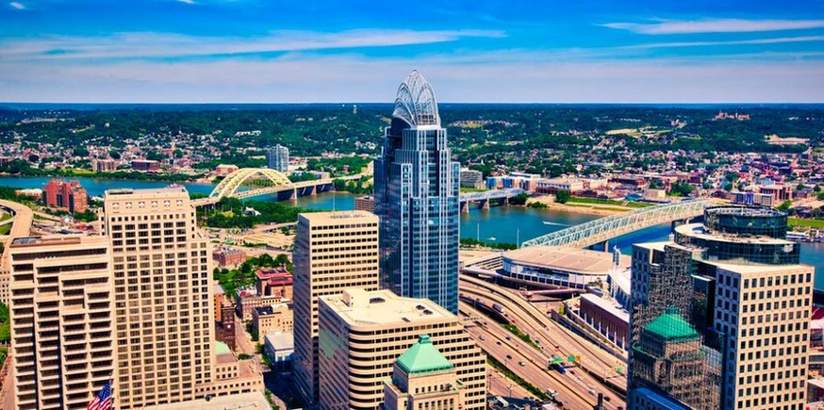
column 187, row 1
column 17, row 5
column 757, row 41
column 493, row 77
column 162, row 45
column 715, row 26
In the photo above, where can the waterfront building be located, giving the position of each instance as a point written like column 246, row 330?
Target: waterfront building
column 105, row 165
column 62, row 320
column 66, row 195
column 416, row 197
column 365, row 203
column 278, row 158
column 363, row 333
column 333, row 251
column 471, row 178
column 145, row 165
column 561, row 267
column 737, row 281
column 423, row 378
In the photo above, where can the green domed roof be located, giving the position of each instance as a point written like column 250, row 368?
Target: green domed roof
column 423, row 357
column 671, row 326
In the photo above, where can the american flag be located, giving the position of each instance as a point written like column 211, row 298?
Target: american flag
column 103, row 400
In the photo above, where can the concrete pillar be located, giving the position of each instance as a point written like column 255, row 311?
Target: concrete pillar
column 485, row 203
column 313, row 190
column 465, row 207
column 294, row 195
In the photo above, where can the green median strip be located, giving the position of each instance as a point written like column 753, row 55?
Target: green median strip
column 517, row 379
column 521, row 335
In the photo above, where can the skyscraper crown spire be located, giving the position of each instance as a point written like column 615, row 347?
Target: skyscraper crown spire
column 415, row 102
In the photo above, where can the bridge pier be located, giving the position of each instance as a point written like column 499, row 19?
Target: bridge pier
column 313, row 190
column 485, row 204
column 294, row 195
column 465, row 207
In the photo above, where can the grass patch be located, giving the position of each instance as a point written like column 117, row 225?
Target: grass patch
column 817, row 223
column 517, row 379
column 521, row 335
column 598, row 201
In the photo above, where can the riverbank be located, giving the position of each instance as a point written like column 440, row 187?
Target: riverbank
column 577, row 207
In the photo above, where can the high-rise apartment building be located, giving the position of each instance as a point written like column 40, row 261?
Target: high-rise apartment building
column 363, row 333
column 62, row 320
column 416, row 197
column 278, row 158
column 736, row 281
column 333, row 251
column 163, row 297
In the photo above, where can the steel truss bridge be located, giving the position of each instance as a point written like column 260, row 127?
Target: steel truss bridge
column 278, row 182
column 604, row 229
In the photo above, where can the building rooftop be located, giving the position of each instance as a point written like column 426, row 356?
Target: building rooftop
column 280, row 340
column 567, row 259
column 129, row 193
column 332, row 217
column 698, row 230
column 359, row 307
column 608, row 305
column 756, row 268
column 423, row 357
column 242, row 401
column 671, row 326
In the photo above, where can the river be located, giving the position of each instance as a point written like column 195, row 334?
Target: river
column 498, row 224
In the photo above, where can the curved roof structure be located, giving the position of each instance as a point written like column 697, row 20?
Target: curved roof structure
column 415, row 103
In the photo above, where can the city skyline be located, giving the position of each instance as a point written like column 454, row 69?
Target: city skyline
column 249, row 51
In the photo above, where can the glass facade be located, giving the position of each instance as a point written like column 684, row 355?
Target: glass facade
column 416, row 196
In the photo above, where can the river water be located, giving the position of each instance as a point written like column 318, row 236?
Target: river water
column 498, row 224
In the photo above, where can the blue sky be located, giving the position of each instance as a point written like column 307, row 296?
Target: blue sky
column 472, row 51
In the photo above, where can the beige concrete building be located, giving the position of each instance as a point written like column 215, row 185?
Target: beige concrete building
column 274, row 318
column 362, row 333
column 333, row 251
column 423, row 379
column 164, row 295
column 61, row 320
column 766, row 311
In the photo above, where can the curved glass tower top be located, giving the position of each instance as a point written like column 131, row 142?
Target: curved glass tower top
column 415, row 103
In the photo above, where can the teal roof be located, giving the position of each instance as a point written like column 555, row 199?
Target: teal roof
column 423, row 357
column 222, row 348
column 670, row 326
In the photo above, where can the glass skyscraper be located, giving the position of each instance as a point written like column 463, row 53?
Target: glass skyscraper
column 278, row 158
column 416, row 196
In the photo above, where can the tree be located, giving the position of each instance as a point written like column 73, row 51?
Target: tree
column 562, row 197
column 785, row 206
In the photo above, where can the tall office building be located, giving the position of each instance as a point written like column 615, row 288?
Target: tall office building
column 736, row 281
column 163, row 297
column 333, row 251
column 61, row 320
column 416, row 197
column 278, row 158
column 363, row 333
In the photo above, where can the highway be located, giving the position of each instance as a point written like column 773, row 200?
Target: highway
column 574, row 389
column 553, row 338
